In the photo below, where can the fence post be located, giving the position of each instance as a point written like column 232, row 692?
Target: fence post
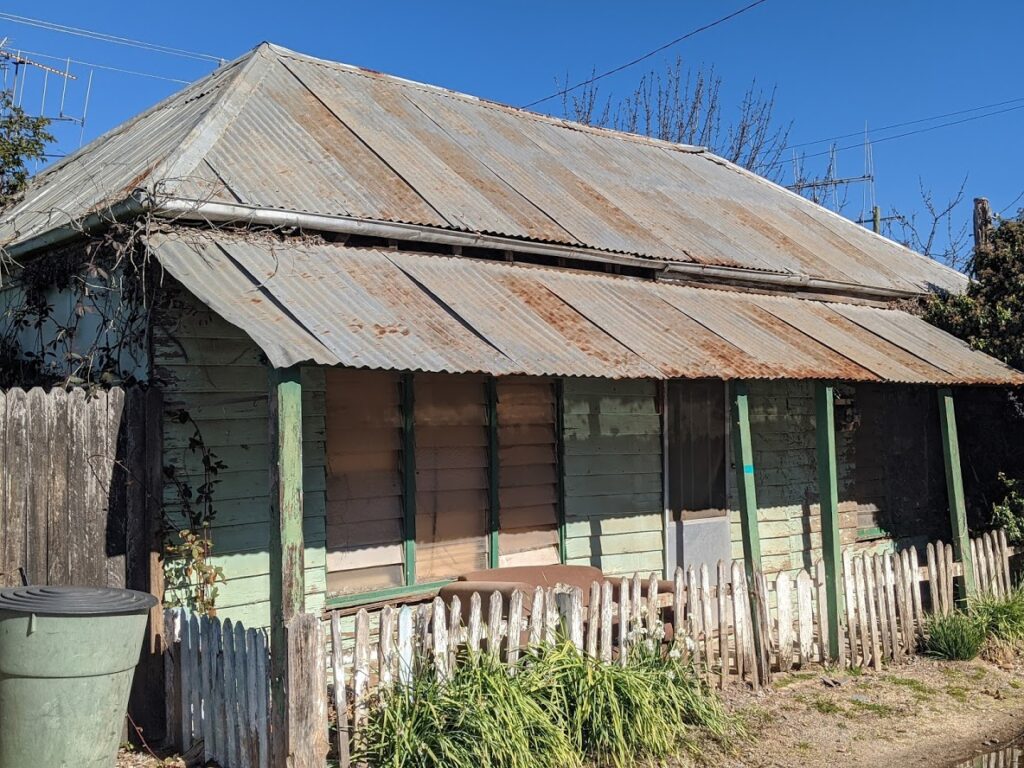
column 748, row 517
column 828, row 499
column 304, row 739
column 955, row 489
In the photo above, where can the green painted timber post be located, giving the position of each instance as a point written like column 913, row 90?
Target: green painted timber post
column 409, row 476
column 287, row 587
column 828, row 496
column 493, row 487
column 744, row 459
column 955, row 490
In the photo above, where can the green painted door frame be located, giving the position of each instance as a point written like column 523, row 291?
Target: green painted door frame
column 408, row 396
column 828, row 495
column 955, row 490
column 494, row 480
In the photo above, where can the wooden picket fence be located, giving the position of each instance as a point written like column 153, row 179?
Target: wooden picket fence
column 217, row 689
column 704, row 616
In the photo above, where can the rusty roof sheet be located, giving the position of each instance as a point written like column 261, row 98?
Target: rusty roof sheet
column 286, row 131
column 306, row 300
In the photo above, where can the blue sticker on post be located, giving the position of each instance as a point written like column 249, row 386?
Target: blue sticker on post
column 748, row 469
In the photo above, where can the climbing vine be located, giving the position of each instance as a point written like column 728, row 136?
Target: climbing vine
column 81, row 316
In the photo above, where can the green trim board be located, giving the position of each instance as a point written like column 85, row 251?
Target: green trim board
column 744, row 459
column 563, row 556
column 380, row 595
column 828, row 497
column 955, row 489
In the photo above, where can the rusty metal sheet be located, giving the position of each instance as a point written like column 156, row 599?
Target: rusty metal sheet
column 925, row 341
column 329, row 303
column 511, row 308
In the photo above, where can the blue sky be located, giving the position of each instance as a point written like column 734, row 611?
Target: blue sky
column 836, row 65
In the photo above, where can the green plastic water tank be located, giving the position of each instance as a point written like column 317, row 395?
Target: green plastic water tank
column 67, row 656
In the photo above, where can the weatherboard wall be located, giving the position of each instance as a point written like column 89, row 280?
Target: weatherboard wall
column 213, row 372
column 613, row 475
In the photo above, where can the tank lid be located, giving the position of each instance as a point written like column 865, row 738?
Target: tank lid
column 75, row 601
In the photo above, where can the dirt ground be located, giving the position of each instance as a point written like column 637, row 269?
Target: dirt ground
column 925, row 713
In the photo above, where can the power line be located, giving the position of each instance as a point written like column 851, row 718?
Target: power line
column 908, row 122
column 905, row 134
column 646, row 56
column 107, row 67
column 104, row 37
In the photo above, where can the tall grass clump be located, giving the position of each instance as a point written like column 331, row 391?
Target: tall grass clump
column 1001, row 617
column 615, row 714
column 955, row 637
column 479, row 717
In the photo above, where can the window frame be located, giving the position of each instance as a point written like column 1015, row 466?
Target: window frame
column 412, row 591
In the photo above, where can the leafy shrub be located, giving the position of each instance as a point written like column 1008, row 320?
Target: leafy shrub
column 1001, row 617
column 955, row 637
column 479, row 717
column 1009, row 513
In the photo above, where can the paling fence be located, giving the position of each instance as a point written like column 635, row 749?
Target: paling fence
column 218, row 672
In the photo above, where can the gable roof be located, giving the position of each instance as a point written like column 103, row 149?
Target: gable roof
column 286, row 132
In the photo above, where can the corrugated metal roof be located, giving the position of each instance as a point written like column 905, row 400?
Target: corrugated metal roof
column 305, row 300
column 301, row 134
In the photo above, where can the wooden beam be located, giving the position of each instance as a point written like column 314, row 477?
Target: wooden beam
column 287, row 584
column 563, row 553
column 744, row 460
column 493, row 477
column 409, row 476
column 955, row 490
column 828, row 497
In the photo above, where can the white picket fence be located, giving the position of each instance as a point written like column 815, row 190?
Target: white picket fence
column 220, row 672
column 218, row 689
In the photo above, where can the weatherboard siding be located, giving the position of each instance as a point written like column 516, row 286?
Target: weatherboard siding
column 215, row 373
column 613, row 475
column 782, row 427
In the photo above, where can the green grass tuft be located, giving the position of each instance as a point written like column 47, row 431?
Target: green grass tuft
column 956, row 637
column 1002, row 617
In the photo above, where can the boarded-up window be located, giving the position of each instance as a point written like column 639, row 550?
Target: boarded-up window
column 528, row 472
column 696, row 449
column 452, row 507
column 364, row 481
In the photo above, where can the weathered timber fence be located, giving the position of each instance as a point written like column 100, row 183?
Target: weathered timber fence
column 80, row 477
column 705, row 617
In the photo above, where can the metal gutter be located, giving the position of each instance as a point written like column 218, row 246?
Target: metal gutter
column 203, row 211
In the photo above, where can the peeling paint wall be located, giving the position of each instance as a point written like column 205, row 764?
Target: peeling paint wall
column 614, row 504
column 217, row 374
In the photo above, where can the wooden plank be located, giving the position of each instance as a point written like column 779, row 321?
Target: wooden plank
column 878, row 577
column 406, row 658
column 455, row 633
column 439, row 624
column 902, row 609
column 890, row 605
column 851, row 603
column 914, row 575
column 707, row 619
column 862, row 614
column 263, row 698
column 784, row 608
column 574, row 617
column 341, row 743
column 97, row 490
column 695, row 617
column 805, row 618
column 307, row 713
column 979, row 565
column 955, row 487
column 361, row 671
column 515, row 626
column 218, row 712
column 948, row 557
column 113, row 485
column 908, row 601
column 232, row 751
column 536, row 617
column 1004, row 559
column 828, row 494
column 185, row 653
column 16, row 471
column 474, row 631
column 252, row 692
column 386, row 647
column 933, row 579
column 624, row 620
column 593, row 620
column 606, row 622
column 870, row 595
column 38, row 454
column 723, row 623
column 678, row 613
